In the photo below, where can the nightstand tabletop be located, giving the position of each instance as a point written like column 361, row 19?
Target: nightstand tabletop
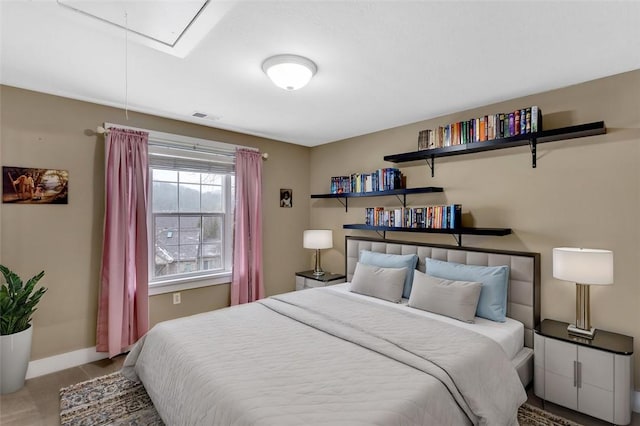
column 328, row 276
column 603, row 340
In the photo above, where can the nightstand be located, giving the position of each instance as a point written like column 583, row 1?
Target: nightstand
column 592, row 376
column 306, row 279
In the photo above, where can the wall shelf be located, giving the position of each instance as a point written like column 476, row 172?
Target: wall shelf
column 457, row 232
column 531, row 139
column 397, row 192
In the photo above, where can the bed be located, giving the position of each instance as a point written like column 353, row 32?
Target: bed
column 331, row 356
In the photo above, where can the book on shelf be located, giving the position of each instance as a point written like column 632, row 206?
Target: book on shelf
column 423, row 139
column 380, row 180
column 428, row 217
column 482, row 124
column 512, row 124
column 536, row 119
column 501, row 125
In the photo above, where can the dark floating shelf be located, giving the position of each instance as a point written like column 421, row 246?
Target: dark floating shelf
column 531, row 139
column 464, row 231
column 457, row 232
column 397, row 192
column 423, row 190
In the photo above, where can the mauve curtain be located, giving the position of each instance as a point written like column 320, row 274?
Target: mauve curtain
column 247, row 284
column 123, row 309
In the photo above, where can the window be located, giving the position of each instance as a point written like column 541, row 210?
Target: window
column 188, row 222
column 191, row 215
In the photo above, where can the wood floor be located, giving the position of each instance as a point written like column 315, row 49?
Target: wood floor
column 38, row 403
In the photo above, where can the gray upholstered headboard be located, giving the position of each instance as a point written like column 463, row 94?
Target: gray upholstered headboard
column 523, row 298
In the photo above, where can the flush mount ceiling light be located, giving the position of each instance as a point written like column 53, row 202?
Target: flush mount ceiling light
column 290, row 72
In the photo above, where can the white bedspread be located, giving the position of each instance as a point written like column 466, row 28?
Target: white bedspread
column 318, row 357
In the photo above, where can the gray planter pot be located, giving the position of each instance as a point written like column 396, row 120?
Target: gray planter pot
column 15, row 353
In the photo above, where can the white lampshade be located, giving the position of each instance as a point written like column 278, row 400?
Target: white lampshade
column 317, row 239
column 583, row 266
column 290, row 72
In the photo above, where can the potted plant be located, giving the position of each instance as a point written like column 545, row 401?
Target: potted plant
column 17, row 304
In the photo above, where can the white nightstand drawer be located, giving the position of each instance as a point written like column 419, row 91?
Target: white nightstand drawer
column 601, row 375
column 555, row 389
column 560, row 357
column 595, row 402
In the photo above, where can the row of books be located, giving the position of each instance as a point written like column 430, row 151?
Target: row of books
column 380, row 180
column 430, row 217
column 495, row 126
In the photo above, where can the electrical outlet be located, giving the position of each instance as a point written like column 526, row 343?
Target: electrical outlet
column 176, row 299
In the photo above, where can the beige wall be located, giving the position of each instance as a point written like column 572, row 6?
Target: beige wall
column 583, row 193
column 39, row 130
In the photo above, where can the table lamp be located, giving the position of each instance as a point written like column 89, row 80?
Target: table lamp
column 585, row 267
column 317, row 239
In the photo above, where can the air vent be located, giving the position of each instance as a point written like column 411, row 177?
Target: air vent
column 204, row 115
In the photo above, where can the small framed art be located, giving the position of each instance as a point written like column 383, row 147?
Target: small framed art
column 22, row 185
column 286, row 198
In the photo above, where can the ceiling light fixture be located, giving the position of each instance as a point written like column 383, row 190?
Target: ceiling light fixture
column 290, row 72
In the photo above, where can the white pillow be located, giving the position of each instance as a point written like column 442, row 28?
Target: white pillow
column 455, row 299
column 383, row 283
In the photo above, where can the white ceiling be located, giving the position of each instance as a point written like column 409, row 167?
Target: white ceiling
column 380, row 64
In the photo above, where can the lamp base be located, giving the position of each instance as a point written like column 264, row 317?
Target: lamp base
column 317, row 270
column 587, row 334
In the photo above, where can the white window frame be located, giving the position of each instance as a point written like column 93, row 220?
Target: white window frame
column 190, row 282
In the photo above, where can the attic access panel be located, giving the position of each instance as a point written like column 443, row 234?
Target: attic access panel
column 161, row 21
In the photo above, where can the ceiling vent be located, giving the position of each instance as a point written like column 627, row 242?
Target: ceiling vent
column 206, row 116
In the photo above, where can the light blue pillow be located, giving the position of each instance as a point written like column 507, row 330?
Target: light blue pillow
column 385, row 260
column 492, row 304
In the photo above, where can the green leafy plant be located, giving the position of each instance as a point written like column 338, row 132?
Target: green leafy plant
column 17, row 301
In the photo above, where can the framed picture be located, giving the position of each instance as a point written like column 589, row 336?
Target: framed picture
column 22, row 185
column 286, row 198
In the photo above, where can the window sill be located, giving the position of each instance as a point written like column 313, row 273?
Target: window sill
column 162, row 287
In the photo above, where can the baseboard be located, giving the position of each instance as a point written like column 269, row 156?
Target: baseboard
column 40, row 367
column 636, row 402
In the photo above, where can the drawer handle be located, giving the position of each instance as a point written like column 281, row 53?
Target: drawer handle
column 579, row 375
column 575, row 374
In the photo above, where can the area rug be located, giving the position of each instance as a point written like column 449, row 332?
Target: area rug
column 115, row 400
column 107, row 400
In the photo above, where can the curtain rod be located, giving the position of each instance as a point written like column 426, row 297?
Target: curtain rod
column 179, row 140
